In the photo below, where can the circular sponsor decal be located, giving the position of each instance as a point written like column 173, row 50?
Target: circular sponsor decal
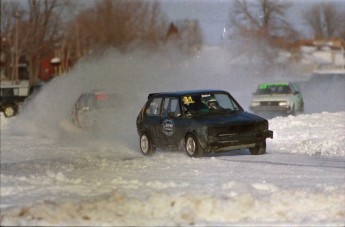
column 168, row 127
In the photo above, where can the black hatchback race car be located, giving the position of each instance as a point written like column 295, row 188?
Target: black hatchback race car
column 200, row 121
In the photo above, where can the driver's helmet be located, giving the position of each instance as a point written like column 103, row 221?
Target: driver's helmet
column 212, row 103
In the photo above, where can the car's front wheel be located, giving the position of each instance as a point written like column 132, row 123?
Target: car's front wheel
column 146, row 146
column 292, row 110
column 10, row 111
column 192, row 146
column 260, row 148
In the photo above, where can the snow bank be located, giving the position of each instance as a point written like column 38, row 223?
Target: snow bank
column 273, row 206
column 312, row 134
column 105, row 183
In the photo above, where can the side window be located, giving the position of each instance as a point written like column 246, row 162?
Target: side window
column 7, row 92
column 295, row 88
column 90, row 100
column 171, row 105
column 154, row 107
column 175, row 106
column 83, row 100
column 292, row 88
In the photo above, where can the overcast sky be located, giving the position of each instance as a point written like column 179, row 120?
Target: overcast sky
column 213, row 14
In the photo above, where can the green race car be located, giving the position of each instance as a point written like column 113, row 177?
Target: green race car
column 277, row 97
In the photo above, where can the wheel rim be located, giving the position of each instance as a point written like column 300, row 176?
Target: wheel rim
column 9, row 111
column 144, row 144
column 190, row 146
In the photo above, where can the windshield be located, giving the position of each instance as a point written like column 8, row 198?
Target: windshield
column 273, row 89
column 212, row 103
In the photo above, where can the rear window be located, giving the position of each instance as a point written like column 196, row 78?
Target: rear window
column 105, row 101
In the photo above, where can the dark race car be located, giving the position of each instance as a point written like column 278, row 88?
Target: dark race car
column 93, row 109
column 201, row 121
column 14, row 94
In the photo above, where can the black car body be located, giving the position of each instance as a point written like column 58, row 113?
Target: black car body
column 92, row 109
column 201, row 121
column 14, row 94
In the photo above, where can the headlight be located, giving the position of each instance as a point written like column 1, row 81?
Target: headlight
column 255, row 103
column 283, row 103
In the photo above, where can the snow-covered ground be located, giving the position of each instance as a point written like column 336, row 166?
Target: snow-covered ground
column 55, row 174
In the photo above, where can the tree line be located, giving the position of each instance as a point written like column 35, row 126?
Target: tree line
column 260, row 28
column 33, row 29
column 268, row 19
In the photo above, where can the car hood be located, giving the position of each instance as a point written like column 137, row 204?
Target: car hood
column 230, row 119
column 274, row 97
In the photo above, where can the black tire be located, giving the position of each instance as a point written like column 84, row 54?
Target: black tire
column 192, row 146
column 259, row 149
column 146, row 146
column 302, row 108
column 292, row 111
column 10, row 111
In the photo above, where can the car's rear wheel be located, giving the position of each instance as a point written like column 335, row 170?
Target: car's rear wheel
column 10, row 111
column 146, row 146
column 192, row 146
column 260, row 148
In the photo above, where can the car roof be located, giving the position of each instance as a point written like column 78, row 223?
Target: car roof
column 186, row 92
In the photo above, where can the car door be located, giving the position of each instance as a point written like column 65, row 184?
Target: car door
column 297, row 97
column 84, row 111
column 77, row 110
column 173, row 125
column 153, row 121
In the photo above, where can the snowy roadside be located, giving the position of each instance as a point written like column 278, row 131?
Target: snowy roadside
column 299, row 181
column 312, row 134
column 257, row 204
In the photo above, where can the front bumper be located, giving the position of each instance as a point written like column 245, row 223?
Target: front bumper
column 226, row 142
column 270, row 108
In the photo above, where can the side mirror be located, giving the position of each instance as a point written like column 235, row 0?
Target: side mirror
column 171, row 115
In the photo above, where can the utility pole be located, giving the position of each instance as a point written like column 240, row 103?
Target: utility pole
column 78, row 40
column 16, row 49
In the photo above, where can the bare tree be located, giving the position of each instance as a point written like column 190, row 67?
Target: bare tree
column 44, row 30
column 264, row 18
column 40, row 27
column 258, row 27
column 326, row 20
column 10, row 12
column 156, row 25
column 186, row 35
column 121, row 23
